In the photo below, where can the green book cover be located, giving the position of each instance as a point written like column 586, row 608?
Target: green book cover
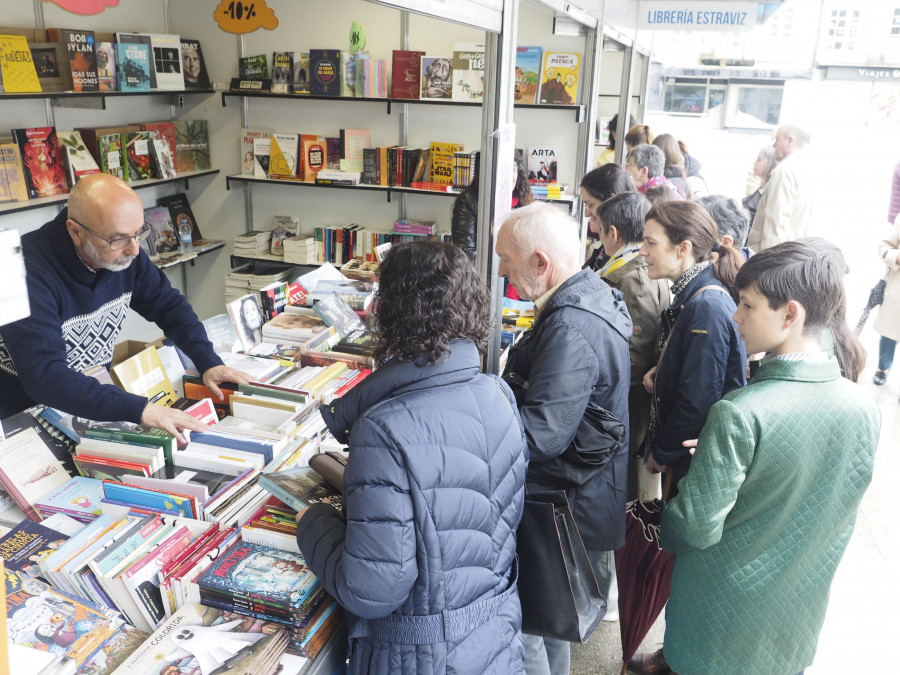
column 149, row 437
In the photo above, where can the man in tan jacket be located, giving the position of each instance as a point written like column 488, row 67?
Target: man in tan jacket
column 786, row 209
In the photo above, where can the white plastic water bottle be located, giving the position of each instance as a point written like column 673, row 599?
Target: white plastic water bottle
column 184, row 237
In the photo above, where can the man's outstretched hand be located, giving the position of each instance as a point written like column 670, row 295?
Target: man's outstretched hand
column 213, row 377
column 170, row 420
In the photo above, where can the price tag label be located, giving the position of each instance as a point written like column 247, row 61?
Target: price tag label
column 140, row 148
column 238, row 17
column 112, row 160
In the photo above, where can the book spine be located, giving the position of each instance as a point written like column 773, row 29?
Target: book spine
column 279, row 540
column 237, row 609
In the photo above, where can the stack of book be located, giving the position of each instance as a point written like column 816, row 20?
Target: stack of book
column 294, row 326
column 252, row 244
column 239, row 283
column 300, row 250
column 272, row 585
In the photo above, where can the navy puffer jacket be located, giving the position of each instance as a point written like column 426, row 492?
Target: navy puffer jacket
column 433, row 494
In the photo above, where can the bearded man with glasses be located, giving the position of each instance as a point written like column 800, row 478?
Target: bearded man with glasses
column 84, row 270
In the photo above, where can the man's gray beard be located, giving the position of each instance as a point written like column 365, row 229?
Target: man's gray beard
column 94, row 259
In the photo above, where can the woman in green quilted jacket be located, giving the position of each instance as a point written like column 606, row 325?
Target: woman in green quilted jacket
column 767, row 508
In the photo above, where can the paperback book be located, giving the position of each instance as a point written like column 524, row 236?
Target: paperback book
column 133, row 66
column 82, row 57
column 282, row 72
column 560, row 74
column 42, row 162
column 148, row 76
column 301, row 73
column 17, row 71
column 528, row 74
column 300, row 488
column 253, row 67
column 27, row 544
column 325, row 72
column 109, row 147
column 437, row 77
column 77, row 159
column 106, row 66
column 193, row 65
column 468, row 71
column 191, row 145
column 166, row 52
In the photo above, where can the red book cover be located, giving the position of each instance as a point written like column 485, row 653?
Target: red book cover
column 163, row 131
column 406, row 70
column 45, row 173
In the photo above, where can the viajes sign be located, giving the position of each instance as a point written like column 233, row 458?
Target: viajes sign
column 717, row 15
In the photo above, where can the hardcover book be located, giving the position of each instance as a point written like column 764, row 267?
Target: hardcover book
column 141, row 39
column 78, row 161
column 247, row 138
column 166, row 51
column 193, row 66
column 301, row 73
column 437, row 77
column 17, row 71
column 528, row 74
column 161, row 158
column 51, row 60
column 26, row 544
column 349, row 81
column 282, row 72
column 559, row 78
column 109, row 147
column 406, row 68
column 468, row 71
column 191, row 145
column 164, row 238
column 300, row 488
column 133, row 66
column 181, row 213
column 136, row 153
column 325, row 72
column 106, row 66
column 253, row 67
column 42, row 161
column 82, row 56
column 442, row 161
column 164, row 131
column 29, row 470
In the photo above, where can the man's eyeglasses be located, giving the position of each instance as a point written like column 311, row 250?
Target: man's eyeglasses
column 121, row 242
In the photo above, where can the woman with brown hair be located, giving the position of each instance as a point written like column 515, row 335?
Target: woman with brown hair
column 639, row 134
column 675, row 169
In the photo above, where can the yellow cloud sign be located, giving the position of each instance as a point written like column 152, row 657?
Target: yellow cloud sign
column 236, row 16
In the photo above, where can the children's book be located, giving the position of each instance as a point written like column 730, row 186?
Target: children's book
column 150, row 499
column 442, row 161
column 193, row 66
column 82, row 56
column 133, row 66
column 45, row 174
column 528, row 74
column 468, row 71
column 27, row 544
column 437, row 77
column 79, row 498
column 559, row 78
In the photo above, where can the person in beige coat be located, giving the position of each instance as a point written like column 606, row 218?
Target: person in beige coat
column 786, row 209
column 887, row 323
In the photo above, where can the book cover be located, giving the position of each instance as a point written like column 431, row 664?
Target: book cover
column 247, row 138
column 78, row 497
column 293, row 327
column 29, row 470
column 106, row 66
column 193, row 66
column 109, row 147
column 103, row 468
column 82, row 57
column 335, row 311
column 141, row 580
column 284, row 227
column 77, row 159
column 28, row 543
column 325, row 72
column 468, row 71
column 191, row 145
column 437, row 77
column 164, row 239
column 136, row 153
column 143, row 374
column 154, row 500
column 528, row 74
column 133, row 66
column 166, row 52
column 262, row 146
column 542, row 164
column 559, row 78
column 300, row 488
column 349, row 80
column 442, row 161
column 200, row 640
column 51, row 60
column 282, row 72
column 16, row 65
column 283, row 155
column 253, row 67
column 60, row 447
column 250, row 570
column 42, row 161
column 181, row 213
column 164, row 131
column 141, row 39
column 246, row 316
column 406, row 68
column 11, row 164
column 312, row 156
column 161, row 159
column 301, row 73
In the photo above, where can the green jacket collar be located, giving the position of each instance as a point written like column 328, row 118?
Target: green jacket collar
column 798, row 371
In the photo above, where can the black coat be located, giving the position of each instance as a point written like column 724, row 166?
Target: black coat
column 704, row 360
column 576, row 352
column 463, row 225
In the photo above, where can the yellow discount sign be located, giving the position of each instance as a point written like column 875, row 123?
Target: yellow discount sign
column 234, row 16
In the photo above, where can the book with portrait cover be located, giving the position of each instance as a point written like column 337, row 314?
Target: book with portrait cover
column 82, row 56
column 106, row 66
column 282, row 72
column 42, row 162
column 125, row 39
column 437, row 77
column 166, row 57
column 542, row 164
column 468, row 71
column 193, row 67
column 528, row 74
column 325, row 72
column 406, row 68
column 191, row 145
column 559, row 78
column 133, row 66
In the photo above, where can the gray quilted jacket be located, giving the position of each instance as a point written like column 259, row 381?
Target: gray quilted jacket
column 423, row 558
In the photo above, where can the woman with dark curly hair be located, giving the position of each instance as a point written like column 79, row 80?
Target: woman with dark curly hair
column 423, row 557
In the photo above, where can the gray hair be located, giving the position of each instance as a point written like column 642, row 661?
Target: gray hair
column 543, row 227
column 651, row 157
column 731, row 218
column 767, row 152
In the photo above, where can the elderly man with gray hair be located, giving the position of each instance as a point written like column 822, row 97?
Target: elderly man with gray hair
column 575, row 354
column 732, row 220
column 786, row 209
column 647, row 164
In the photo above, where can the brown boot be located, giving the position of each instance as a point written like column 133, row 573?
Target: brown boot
column 649, row 663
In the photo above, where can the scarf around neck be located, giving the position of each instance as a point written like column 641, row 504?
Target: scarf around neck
column 622, row 257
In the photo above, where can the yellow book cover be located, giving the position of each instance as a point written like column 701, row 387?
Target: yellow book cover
column 442, row 161
column 19, row 74
column 559, row 78
column 283, row 156
column 143, row 374
column 334, row 370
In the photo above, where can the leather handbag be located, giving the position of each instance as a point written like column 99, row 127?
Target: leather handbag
column 557, row 588
column 330, row 465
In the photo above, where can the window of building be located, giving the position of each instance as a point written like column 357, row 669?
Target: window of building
column 761, row 102
column 684, row 98
column 851, row 45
